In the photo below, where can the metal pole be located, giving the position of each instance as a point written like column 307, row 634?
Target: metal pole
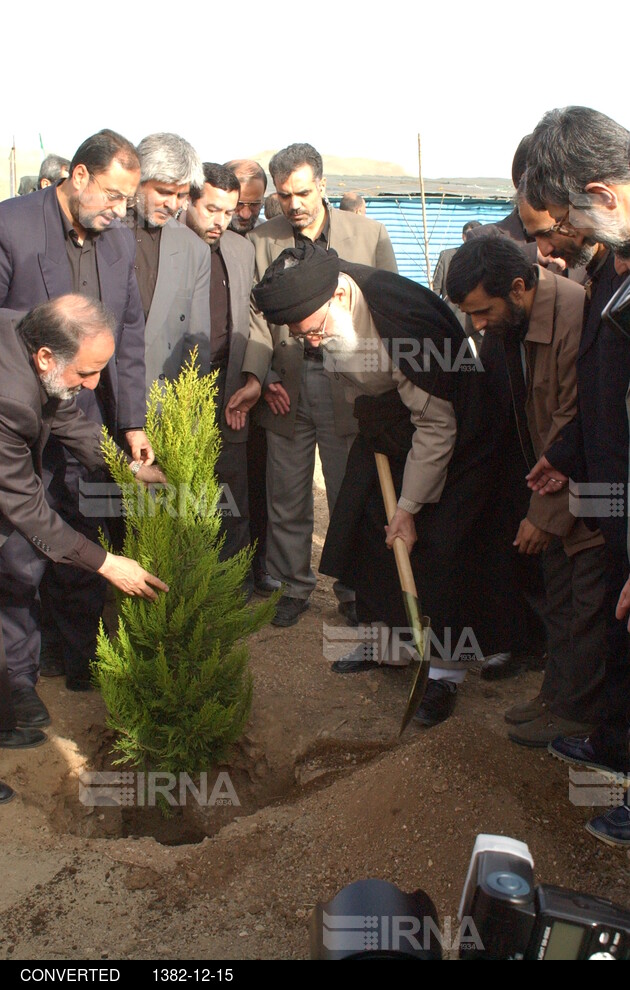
column 424, row 217
column 12, row 171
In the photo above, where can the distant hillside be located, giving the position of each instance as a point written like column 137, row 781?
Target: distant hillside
column 334, row 165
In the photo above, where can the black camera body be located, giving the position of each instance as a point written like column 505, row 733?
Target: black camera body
column 516, row 920
column 502, row 915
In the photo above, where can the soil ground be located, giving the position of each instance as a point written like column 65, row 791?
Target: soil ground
column 328, row 794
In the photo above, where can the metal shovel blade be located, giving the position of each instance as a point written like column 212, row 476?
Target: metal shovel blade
column 420, row 629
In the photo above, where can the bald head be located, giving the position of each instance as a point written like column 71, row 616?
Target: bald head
column 352, row 202
column 70, row 340
column 63, row 324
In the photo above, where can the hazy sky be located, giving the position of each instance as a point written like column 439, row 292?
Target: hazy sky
column 352, row 78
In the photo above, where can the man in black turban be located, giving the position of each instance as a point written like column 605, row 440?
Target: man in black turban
column 420, row 397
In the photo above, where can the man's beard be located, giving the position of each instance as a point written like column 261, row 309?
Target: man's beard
column 342, row 350
column 578, row 257
column 305, row 220
column 515, row 323
column 243, row 226
column 54, row 387
column 86, row 219
column 611, row 230
column 157, row 219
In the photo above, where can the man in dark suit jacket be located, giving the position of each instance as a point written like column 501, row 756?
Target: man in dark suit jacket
column 212, row 207
column 302, row 408
column 62, row 239
column 47, row 358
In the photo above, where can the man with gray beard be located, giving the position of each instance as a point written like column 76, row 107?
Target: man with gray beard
column 583, row 254
column 48, row 356
column 420, row 397
column 579, row 172
column 578, row 169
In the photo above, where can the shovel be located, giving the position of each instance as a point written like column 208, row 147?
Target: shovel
column 419, row 626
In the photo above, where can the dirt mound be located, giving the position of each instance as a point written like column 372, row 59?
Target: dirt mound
column 326, row 793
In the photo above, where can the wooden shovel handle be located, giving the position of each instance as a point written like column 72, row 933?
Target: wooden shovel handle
column 405, row 574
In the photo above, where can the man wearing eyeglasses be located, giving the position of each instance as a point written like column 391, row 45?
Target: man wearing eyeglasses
column 420, row 395
column 579, row 171
column 253, row 180
column 68, row 238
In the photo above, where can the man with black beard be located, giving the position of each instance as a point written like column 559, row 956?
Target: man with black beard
column 212, row 206
column 253, row 180
column 532, row 320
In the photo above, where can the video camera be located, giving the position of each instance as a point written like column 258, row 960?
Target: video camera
column 502, row 915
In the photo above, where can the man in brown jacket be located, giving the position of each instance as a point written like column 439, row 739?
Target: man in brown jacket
column 533, row 321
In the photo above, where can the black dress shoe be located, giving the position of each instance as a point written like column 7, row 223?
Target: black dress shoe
column 51, row 662
column 289, row 610
column 349, row 612
column 51, row 666
column 438, row 703
column 360, row 660
column 264, row 584
column 500, row 666
column 21, row 738
column 6, row 793
column 30, row 710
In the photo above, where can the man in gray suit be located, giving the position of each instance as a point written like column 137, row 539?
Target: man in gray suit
column 303, row 408
column 172, row 265
column 213, row 204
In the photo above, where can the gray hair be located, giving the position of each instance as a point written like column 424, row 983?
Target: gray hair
column 246, row 170
column 570, row 148
column 169, row 158
column 289, row 159
column 52, row 167
column 62, row 325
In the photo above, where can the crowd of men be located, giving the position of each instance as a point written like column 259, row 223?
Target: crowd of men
column 491, row 406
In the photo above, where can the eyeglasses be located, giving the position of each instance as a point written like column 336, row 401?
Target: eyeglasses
column 319, row 333
column 256, row 205
column 113, row 196
column 616, row 312
column 563, row 226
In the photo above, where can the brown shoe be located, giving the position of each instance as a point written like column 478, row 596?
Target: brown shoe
column 527, row 711
column 543, row 730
